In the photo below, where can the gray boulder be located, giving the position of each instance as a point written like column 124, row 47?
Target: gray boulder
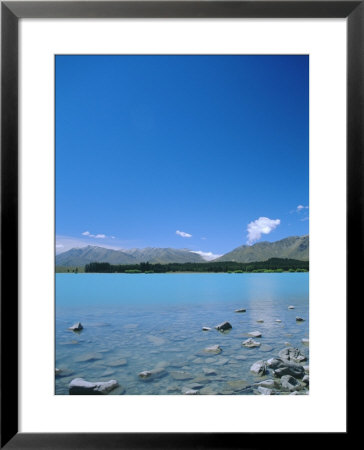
column 292, row 354
column 76, row 327
column 281, row 368
column 299, row 319
column 305, row 341
column 289, row 383
column 250, row 343
column 79, row 386
column 224, row 326
column 206, row 329
column 259, row 368
column 255, row 334
column 290, row 307
column 240, row 310
column 265, row 391
column 213, row 349
column 306, row 380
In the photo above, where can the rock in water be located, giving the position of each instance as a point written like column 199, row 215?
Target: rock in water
column 224, row 326
column 240, row 310
column 259, row 368
column 250, row 343
column 213, row 349
column 305, row 341
column 79, row 386
column 290, row 307
column 260, row 321
column 289, row 383
column 255, row 334
column 299, row 319
column 265, row 391
column 306, row 380
column 292, row 354
column 281, row 368
column 278, row 320
column 190, row 392
column 208, row 371
column 206, row 329
column 181, row 375
column 76, row 327
column 267, row 384
column 148, row 375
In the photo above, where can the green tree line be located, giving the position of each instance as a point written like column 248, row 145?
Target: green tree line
column 271, row 265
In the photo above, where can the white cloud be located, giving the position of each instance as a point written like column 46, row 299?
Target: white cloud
column 301, row 207
column 263, row 225
column 183, row 234
column 96, row 236
column 59, row 245
column 208, row 256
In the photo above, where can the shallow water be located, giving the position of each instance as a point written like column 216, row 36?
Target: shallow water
column 136, row 322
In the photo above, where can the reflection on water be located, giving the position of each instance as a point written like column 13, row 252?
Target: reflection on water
column 138, row 322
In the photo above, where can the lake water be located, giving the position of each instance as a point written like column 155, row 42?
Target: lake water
column 137, row 322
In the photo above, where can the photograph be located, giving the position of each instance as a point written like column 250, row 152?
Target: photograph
column 181, row 224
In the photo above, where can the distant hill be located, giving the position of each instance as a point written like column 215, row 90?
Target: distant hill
column 86, row 255
column 294, row 247
column 163, row 255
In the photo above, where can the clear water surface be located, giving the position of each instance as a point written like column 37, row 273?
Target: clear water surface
column 137, row 322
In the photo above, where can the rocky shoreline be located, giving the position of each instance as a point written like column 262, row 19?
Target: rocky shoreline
column 282, row 373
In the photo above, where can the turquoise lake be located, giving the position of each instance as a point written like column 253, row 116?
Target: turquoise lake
column 138, row 322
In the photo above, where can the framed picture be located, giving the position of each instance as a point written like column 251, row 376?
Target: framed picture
column 164, row 167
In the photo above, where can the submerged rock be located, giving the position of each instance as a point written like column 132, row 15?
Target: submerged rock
column 208, row 371
column 250, row 343
column 153, row 374
column 260, row 321
column 237, row 385
column 76, row 327
column 156, row 340
column 240, row 310
column 255, row 334
column 79, row 386
column 118, row 363
column 213, row 349
column 259, row 368
column 266, row 348
column 181, row 375
column 221, row 362
column 292, row 354
column 305, row 341
column 89, row 357
column 224, row 326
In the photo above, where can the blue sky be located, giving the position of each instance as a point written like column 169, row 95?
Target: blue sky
column 198, row 152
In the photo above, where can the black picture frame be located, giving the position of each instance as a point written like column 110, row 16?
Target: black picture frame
column 11, row 12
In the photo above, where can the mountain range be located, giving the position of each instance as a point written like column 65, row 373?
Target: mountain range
column 294, row 247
